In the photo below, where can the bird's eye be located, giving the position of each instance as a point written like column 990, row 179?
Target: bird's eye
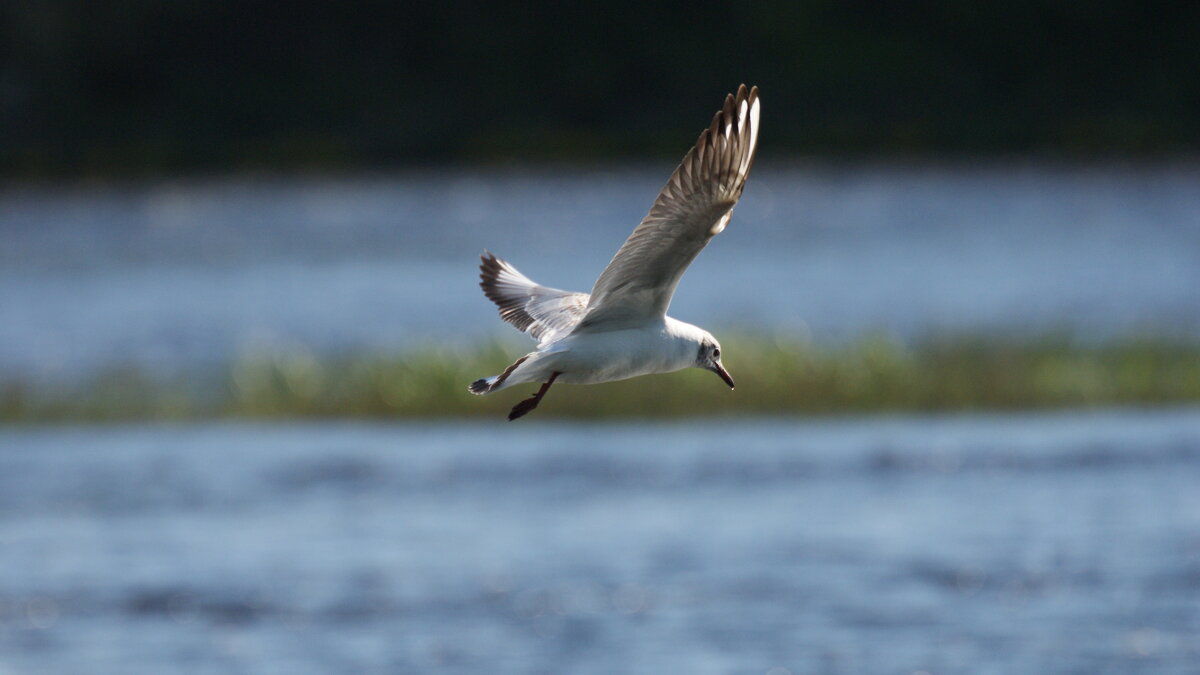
column 716, row 352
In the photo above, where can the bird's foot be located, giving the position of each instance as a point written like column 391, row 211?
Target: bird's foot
column 524, row 407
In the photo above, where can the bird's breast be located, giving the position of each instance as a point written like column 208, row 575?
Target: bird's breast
column 618, row 355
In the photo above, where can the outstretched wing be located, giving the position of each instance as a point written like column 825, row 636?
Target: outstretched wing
column 694, row 206
column 542, row 312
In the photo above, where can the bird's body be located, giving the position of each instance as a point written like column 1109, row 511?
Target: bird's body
column 621, row 330
column 592, row 358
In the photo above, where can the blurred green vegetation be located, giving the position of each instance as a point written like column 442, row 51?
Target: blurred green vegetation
column 774, row 376
column 145, row 86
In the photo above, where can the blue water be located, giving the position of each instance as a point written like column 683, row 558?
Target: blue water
column 1066, row 543
column 176, row 274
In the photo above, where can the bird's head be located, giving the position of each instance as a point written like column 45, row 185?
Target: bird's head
column 709, row 358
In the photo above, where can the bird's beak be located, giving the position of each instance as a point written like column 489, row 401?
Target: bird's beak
column 724, row 374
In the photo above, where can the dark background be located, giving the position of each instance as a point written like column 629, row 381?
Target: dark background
column 143, row 87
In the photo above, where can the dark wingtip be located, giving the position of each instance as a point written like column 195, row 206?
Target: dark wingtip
column 511, row 307
column 479, row 386
column 489, row 271
column 487, row 261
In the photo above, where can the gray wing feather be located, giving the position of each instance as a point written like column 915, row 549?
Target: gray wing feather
column 693, row 207
column 542, row 312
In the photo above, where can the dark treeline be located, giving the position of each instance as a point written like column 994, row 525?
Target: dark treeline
column 140, row 86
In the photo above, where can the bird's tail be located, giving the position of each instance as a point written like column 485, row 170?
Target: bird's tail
column 486, row 385
column 483, row 385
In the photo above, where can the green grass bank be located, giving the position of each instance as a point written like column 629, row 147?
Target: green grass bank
column 778, row 376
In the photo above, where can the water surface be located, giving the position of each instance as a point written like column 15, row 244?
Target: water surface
column 177, row 274
column 981, row 544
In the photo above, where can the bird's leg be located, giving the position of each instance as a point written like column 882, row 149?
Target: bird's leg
column 532, row 402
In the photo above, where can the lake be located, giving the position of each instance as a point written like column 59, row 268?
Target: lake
column 189, row 273
column 967, row 544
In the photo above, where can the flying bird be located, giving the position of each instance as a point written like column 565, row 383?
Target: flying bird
column 621, row 329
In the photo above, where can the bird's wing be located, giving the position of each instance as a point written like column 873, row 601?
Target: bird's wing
column 542, row 312
column 694, row 206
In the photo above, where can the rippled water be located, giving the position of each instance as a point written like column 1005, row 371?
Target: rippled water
column 175, row 274
column 989, row 544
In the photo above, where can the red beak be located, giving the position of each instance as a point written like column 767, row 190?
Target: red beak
column 724, row 374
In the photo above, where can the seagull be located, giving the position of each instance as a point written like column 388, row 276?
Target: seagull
column 621, row 329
